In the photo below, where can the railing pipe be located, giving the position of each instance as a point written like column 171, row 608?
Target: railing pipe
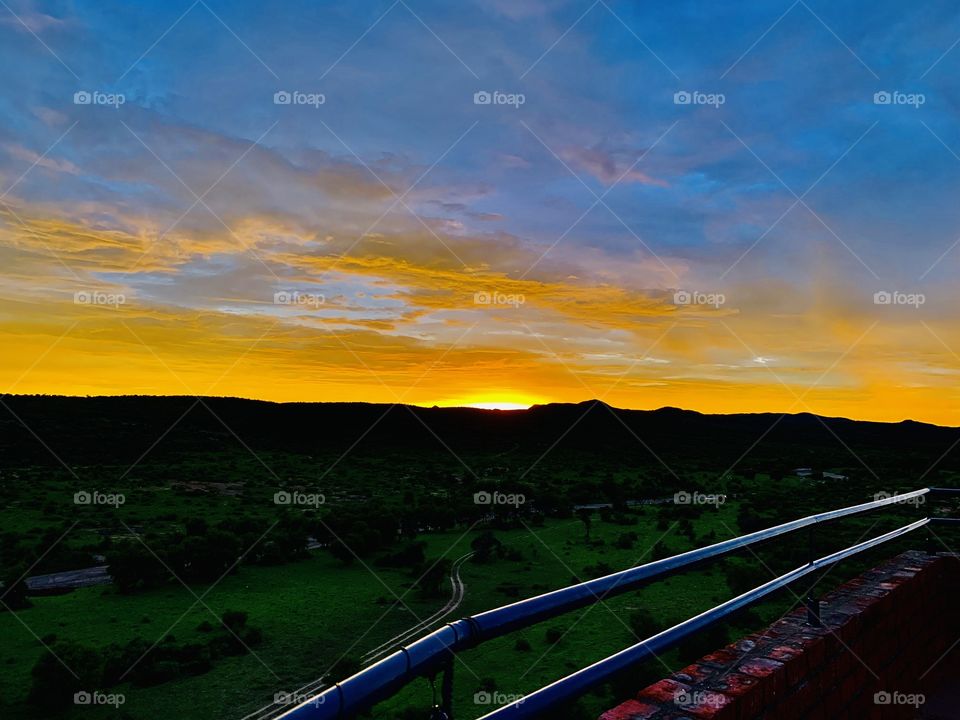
column 575, row 685
column 428, row 654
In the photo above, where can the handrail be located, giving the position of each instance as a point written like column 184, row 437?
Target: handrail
column 435, row 651
column 576, row 684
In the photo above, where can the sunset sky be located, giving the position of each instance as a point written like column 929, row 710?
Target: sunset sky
column 402, row 240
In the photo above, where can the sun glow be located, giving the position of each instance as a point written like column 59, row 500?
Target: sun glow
column 499, row 405
column 511, row 401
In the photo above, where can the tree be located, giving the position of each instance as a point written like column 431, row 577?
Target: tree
column 206, row 557
column 431, row 578
column 15, row 594
column 58, row 675
column 133, row 568
column 341, row 551
column 411, row 555
column 235, row 619
column 660, row 551
column 586, row 517
column 484, row 546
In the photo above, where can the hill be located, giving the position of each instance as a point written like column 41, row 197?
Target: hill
column 120, row 429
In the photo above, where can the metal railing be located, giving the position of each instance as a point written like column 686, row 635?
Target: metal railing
column 435, row 652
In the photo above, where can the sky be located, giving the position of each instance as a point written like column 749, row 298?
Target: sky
column 745, row 207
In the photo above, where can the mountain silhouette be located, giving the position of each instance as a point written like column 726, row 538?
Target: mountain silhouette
column 97, row 430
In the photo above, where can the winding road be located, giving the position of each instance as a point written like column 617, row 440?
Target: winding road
column 285, row 700
column 458, row 591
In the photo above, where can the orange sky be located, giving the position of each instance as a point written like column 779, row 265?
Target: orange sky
column 539, row 340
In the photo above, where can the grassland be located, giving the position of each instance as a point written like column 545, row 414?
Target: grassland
column 314, row 611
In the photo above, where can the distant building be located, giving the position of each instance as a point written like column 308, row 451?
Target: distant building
column 803, row 472
column 834, row 476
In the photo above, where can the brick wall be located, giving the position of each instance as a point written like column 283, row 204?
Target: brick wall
column 880, row 633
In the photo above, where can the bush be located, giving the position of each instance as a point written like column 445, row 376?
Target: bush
column 599, row 570
column 154, row 673
column 235, row 619
column 53, row 685
column 742, row 575
column 412, row 555
column 660, row 551
column 118, row 660
column 485, row 546
column 15, row 594
column 643, row 624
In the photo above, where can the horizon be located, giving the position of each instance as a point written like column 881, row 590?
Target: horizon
column 481, row 408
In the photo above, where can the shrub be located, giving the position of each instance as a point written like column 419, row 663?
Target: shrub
column 235, row 619
column 53, row 686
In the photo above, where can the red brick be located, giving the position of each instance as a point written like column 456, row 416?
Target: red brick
column 663, row 692
column 771, row 674
column 695, row 673
column 722, row 658
column 631, row 710
column 742, row 690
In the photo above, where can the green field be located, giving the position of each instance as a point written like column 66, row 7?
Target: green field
column 312, row 612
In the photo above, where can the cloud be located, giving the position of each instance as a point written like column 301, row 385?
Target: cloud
column 35, row 159
column 312, row 207
column 517, row 9
column 610, row 166
column 29, row 20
